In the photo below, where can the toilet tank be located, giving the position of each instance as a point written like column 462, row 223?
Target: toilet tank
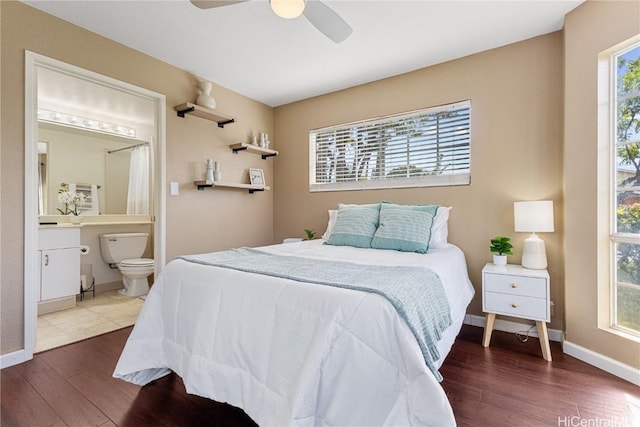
column 116, row 247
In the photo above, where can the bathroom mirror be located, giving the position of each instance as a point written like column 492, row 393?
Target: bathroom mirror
column 95, row 140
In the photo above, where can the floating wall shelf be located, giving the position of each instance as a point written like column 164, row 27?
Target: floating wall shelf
column 203, row 113
column 252, row 188
column 255, row 149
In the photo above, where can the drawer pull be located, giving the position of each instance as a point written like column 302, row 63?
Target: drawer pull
column 514, row 285
column 514, row 305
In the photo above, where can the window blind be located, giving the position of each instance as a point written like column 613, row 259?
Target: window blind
column 427, row 147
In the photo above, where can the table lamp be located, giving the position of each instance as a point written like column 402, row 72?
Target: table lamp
column 535, row 216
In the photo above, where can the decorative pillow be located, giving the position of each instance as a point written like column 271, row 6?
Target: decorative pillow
column 440, row 228
column 405, row 228
column 333, row 217
column 355, row 225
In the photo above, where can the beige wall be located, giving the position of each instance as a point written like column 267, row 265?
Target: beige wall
column 590, row 29
column 196, row 221
column 516, row 97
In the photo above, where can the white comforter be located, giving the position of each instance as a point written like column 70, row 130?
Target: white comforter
column 291, row 353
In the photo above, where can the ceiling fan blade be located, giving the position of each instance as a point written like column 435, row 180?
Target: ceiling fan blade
column 208, row 4
column 326, row 20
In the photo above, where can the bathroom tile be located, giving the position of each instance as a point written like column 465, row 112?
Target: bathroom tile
column 93, row 330
column 73, row 319
column 52, row 342
column 121, row 311
column 127, row 321
column 50, row 332
column 106, row 312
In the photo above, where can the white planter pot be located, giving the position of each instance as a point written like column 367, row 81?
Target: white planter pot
column 500, row 260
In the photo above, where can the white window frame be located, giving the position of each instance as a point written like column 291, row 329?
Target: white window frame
column 616, row 237
column 443, row 179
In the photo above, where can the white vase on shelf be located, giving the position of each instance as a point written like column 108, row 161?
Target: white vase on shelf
column 217, row 174
column 209, row 175
column 75, row 219
column 204, row 98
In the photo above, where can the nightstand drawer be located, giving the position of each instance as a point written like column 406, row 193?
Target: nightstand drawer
column 515, row 305
column 515, row 285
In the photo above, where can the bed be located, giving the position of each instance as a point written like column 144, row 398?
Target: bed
column 292, row 352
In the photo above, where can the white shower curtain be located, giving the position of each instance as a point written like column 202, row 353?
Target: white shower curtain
column 41, row 178
column 138, row 196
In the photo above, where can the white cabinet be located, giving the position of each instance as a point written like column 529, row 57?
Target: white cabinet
column 516, row 291
column 59, row 250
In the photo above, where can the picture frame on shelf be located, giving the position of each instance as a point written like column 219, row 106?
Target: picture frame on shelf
column 256, row 177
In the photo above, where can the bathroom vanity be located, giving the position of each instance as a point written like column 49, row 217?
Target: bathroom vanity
column 59, row 253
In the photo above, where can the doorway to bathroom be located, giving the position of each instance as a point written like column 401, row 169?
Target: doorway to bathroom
column 68, row 105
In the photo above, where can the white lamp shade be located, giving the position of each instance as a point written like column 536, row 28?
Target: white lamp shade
column 534, row 216
column 288, row 9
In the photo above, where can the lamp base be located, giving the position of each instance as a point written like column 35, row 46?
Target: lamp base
column 534, row 255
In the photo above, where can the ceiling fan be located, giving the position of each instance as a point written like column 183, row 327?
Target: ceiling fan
column 325, row 19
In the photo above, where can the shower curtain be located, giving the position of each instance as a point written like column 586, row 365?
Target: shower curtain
column 138, row 196
column 41, row 199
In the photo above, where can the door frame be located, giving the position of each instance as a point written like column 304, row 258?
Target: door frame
column 31, row 280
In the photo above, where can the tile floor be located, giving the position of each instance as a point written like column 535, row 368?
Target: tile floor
column 107, row 312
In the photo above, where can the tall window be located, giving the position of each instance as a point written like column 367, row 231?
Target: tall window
column 625, row 149
column 428, row 147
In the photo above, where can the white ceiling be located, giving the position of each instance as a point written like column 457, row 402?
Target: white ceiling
column 248, row 49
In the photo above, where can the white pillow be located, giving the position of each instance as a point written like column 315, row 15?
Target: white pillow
column 440, row 229
column 333, row 217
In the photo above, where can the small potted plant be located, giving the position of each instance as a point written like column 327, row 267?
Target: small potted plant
column 501, row 247
column 309, row 233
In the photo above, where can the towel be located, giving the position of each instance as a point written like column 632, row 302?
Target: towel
column 95, row 200
column 91, row 203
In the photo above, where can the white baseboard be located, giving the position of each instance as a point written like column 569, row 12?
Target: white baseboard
column 603, row 362
column 11, row 359
column 512, row 327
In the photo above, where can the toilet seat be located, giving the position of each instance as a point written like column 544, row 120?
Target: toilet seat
column 137, row 263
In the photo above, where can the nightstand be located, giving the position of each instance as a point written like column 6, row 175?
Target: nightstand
column 513, row 290
column 292, row 239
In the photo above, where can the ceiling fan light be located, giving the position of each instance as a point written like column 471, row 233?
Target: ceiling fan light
column 287, row 9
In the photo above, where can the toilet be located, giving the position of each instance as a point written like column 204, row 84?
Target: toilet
column 123, row 250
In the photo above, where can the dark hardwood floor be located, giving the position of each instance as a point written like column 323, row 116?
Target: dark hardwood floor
column 508, row 384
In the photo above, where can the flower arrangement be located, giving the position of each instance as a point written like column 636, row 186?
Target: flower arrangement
column 70, row 201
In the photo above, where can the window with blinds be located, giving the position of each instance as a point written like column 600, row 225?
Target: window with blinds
column 429, row 147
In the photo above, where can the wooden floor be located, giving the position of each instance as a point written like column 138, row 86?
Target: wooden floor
column 508, row 384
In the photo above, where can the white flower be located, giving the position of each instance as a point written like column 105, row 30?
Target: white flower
column 70, row 201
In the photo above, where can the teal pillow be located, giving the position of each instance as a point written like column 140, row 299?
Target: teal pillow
column 355, row 225
column 405, row 228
